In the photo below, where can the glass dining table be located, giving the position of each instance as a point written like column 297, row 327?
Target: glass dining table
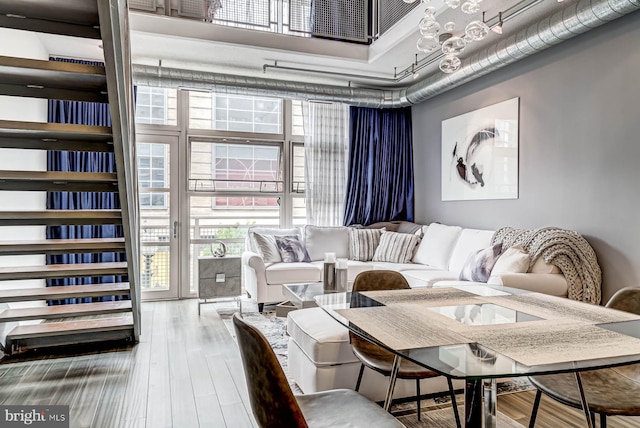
column 482, row 333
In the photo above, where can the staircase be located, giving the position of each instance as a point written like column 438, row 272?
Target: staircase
column 85, row 322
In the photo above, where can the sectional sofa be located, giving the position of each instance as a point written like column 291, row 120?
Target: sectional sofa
column 319, row 352
column 439, row 256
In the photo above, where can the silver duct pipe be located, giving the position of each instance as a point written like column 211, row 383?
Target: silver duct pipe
column 575, row 19
column 571, row 21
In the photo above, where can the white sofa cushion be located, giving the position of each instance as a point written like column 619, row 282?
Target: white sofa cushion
column 321, row 338
column 513, row 260
column 398, row 267
column 267, row 247
column 437, row 245
column 320, row 240
column 354, row 267
column 291, row 273
column 469, row 241
column 540, row 266
column 426, row 278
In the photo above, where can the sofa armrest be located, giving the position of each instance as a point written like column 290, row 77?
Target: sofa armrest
column 254, row 275
column 554, row 284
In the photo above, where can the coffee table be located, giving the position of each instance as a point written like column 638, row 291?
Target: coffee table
column 483, row 333
column 303, row 295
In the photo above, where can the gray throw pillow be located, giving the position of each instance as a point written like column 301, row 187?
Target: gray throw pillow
column 363, row 243
column 291, row 249
column 268, row 248
column 396, row 247
column 479, row 264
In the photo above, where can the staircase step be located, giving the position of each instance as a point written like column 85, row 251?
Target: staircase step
column 62, row 246
column 62, row 271
column 54, row 181
column 64, row 292
column 27, row 337
column 60, row 217
column 66, row 17
column 62, row 311
column 55, row 136
column 55, row 80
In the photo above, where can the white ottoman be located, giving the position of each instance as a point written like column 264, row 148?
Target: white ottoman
column 320, row 358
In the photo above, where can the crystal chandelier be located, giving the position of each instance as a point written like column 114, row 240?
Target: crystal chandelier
column 435, row 36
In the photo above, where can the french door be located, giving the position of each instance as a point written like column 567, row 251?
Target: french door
column 158, row 158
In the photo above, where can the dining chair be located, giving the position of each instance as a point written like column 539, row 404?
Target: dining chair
column 379, row 359
column 275, row 406
column 609, row 392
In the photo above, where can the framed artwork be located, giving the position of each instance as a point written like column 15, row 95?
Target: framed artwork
column 480, row 153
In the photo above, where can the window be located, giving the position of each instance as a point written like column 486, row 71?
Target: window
column 235, row 113
column 246, row 167
column 297, row 124
column 297, row 164
column 152, row 174
column 156, row 106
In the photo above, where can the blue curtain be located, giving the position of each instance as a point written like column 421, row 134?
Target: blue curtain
column 82, row 113
column 380, row 174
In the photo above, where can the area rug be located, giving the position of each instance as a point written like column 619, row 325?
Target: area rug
column 275, row 330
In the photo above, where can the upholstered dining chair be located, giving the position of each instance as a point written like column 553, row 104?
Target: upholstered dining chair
column 379, row 359
column 275, row 406
column 610, row 392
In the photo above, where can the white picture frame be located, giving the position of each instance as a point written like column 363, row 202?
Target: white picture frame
column 480, row 153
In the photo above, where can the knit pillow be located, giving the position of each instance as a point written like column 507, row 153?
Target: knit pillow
column 479, row 264
column 291, row 249
column 363, row 243
column 396, row 247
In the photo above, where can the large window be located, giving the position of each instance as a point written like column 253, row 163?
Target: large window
column 156, row 106
column 152, row 174
column 235, row 113
column 246, row 167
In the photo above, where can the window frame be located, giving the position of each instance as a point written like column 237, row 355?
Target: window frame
column 153, row 190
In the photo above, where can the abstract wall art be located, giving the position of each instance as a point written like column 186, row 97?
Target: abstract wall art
column 480, row 153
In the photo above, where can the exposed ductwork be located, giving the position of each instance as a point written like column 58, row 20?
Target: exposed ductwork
column 569, row 22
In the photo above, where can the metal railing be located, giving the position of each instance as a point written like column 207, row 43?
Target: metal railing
column 358, row 21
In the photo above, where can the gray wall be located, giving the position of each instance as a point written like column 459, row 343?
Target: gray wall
column 579, row 146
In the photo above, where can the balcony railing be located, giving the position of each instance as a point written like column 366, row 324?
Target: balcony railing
column 359, row 21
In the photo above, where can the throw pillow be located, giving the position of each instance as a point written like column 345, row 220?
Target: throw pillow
column 479, row 264
column 513, row 260
column 363, row 243
column 291, row 249
column 396, row 247
column 268, row 248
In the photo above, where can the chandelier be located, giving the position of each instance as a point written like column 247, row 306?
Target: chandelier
column 434, row 36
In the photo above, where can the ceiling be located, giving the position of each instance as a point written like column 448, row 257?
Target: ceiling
column 190, row 44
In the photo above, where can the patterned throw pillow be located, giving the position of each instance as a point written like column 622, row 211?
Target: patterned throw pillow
column 396, row 247
column 363, row 243
column 479, row 264
column 291, row 249
column 268, row 248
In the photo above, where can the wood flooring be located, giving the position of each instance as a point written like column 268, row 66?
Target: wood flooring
column 185, row 372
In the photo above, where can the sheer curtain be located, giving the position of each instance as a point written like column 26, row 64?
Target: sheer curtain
column 326, row 143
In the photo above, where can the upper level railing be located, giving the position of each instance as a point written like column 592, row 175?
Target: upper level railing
column 359, row 21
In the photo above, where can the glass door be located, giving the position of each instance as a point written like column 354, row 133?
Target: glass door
column 158, row 176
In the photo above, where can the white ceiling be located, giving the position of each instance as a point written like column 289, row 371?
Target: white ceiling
column 189, row 44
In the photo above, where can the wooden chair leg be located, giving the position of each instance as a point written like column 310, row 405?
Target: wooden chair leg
column 454, row 402
column 418, row 397
column 359, row 377
column 534, row 411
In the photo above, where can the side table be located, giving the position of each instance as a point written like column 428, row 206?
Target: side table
column 219, row 277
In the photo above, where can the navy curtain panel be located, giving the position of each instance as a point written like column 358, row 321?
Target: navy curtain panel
column 380, row 173
column 82, row 113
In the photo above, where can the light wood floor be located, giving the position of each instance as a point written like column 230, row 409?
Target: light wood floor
column 185, row 372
